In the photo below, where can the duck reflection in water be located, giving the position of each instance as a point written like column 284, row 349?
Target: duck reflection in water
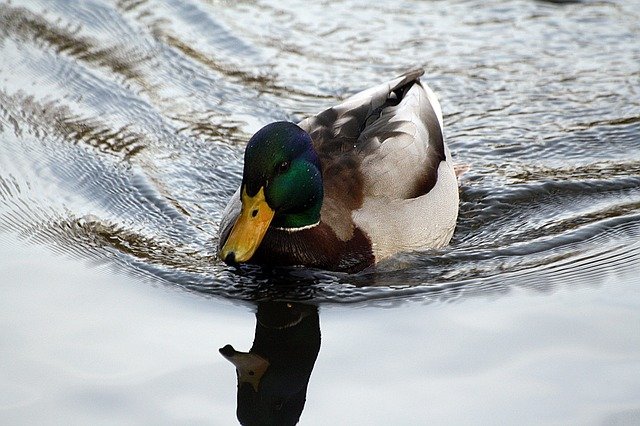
column 273, row 376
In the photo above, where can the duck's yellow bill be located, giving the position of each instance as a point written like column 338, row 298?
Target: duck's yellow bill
column 248, row 231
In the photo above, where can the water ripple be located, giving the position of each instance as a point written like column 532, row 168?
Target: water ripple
column 122, row 128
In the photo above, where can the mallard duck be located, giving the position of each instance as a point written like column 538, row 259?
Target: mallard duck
column 342, row 190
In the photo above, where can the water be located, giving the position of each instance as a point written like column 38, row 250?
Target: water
column 122, row 128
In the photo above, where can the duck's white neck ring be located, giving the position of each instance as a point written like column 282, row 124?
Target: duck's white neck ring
column 301, row 228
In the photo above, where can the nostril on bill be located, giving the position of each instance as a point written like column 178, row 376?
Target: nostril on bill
column 231, row 258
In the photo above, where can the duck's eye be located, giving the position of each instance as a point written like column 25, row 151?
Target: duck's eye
column 283, row 167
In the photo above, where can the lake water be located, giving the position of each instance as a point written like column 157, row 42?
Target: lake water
column 122, row 129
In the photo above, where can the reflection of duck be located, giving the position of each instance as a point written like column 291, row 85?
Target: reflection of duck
column 361, row 181
column 274, row 374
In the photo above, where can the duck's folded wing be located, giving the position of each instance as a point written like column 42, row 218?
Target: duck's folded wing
column 402, row 149
column 392, row 134
column 339, row 127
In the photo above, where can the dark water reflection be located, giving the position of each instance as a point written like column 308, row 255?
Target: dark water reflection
column 122, row 127
column 274, row 375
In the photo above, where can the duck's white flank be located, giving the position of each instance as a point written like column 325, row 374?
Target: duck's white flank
column 394, row 222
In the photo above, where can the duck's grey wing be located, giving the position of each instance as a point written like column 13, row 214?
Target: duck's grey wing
column 402, row 150
column 338, row 128
column 383, row 142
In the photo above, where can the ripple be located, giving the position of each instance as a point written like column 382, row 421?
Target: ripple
column 122, row 127
column 26, row 26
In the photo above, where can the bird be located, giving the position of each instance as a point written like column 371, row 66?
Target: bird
column 360, row 182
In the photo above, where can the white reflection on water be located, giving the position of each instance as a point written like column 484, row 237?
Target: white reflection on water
column 81, row 344
column 571, row 358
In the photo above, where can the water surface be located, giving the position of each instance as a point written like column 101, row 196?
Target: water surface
column 122, row 128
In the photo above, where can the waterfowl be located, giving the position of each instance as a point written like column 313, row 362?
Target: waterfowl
column 357, row 183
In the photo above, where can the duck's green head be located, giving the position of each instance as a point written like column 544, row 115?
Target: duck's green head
column 281, row 187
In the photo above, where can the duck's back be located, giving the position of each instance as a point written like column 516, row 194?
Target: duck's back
column 386, row 167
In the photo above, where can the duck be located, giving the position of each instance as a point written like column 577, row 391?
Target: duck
column 358, row 183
